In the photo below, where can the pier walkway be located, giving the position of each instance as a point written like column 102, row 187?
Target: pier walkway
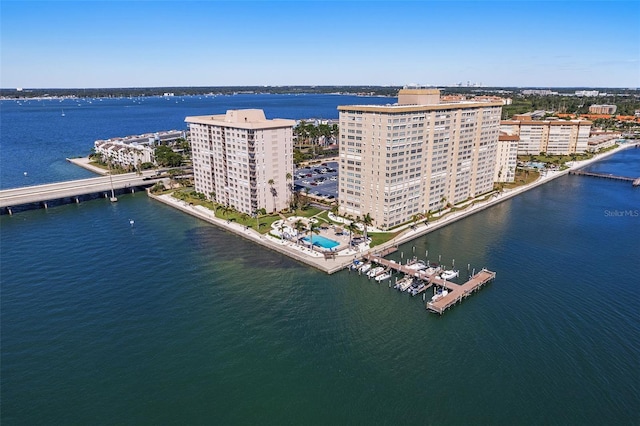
column 634, row 181
column 459, row 292
column 42, row 194
column 456, row 292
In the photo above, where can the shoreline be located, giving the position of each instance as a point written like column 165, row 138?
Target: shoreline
column 342, row 261
column 84, row 163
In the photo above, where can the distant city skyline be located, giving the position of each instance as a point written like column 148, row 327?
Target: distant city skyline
column 74, row 44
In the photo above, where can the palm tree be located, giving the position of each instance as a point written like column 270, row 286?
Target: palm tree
column 245, row 217
column 306, row 196
column 352, row 227
column 443, row 200
column 281, row 228
column 415, row 218
column 225, row 209
column 274, row 193
column 367, row 220
column 313, row 229
column 289, row 177
column 299, row 226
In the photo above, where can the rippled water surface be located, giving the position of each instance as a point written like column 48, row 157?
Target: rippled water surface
column 173, row 321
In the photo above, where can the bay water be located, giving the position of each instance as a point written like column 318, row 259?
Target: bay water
column 174, row 321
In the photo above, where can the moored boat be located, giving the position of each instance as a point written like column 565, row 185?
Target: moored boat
column 447, row 275
column 439, row 294
column 418, row 265
column 417, row 287
column 401, row 281
column 364, row 267
column 375, row 271
column 406, row 285
column 383, row 276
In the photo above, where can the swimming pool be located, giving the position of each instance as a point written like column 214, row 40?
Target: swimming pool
column 320, row 241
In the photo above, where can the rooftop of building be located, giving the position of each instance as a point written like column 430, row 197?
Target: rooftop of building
column 554, row 122
column 250, row 119
column 420, row 99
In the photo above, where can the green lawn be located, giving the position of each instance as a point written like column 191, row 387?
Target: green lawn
column 262, row 224
column 523, row 177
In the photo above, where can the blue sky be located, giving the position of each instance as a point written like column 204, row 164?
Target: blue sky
column 212, row 43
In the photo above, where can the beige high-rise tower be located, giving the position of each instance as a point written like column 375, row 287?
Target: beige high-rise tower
column 243, row 160
column 416, row 156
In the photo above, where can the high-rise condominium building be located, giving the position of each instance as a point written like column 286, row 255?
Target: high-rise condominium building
column 243, row 160
column 556, row 137
column 416, row 156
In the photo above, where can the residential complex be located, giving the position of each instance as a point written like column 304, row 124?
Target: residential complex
column 416, row 156
column 137, row 149
column 602, row 109
column 506, row 158
column 601, row 140
column 242, row 160
column 556, row 137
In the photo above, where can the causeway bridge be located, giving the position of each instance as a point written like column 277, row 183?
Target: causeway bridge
column 27, row 197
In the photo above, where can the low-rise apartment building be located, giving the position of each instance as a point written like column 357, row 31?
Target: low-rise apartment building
column 506, row 158
column 555, row 137
column 136, row 149
column 603, row 109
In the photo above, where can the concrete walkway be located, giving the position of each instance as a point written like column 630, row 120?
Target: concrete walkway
column 344, row 258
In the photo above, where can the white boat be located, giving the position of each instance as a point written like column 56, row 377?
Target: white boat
column 447, row 275
column 406, row 285
column 415, row 289
column 402, row 281
column 375, row 271
column 364, row 267
column 431, row 270
column 356, row 265
column 383, row 276
column 440, row 294
column 417, row 266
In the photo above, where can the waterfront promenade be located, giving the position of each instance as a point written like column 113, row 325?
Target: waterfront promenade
column 345, row 258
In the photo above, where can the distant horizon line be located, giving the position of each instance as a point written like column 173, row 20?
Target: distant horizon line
column 18, row 89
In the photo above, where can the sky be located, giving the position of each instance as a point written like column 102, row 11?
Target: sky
column 146, row 43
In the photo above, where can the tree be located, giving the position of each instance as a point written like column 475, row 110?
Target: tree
column 300, row 227
column 290, row 188
column 415, row 218
column 313, row 229
column 274, row 193
column 281, row 228
column 225, row 209
column 166, row 157
column 172, row 176
column 443, row 200
column 352, row 227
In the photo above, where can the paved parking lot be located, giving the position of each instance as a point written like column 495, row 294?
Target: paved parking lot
column 321, row 179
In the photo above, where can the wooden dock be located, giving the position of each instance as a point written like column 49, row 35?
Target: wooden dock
column 392, row 264
column 634, row 181
column 457, row 292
